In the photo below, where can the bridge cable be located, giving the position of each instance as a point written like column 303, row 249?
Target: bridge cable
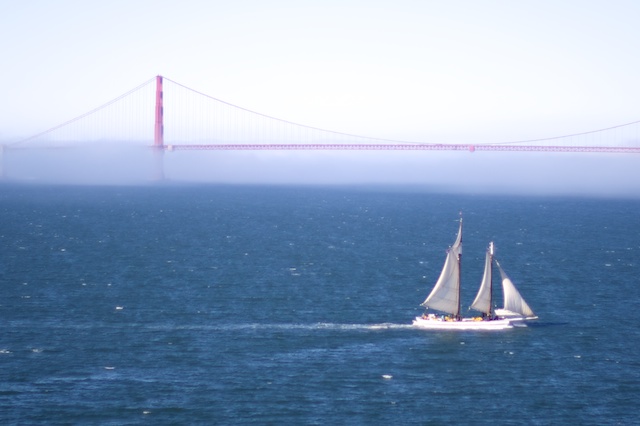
column 85, row 114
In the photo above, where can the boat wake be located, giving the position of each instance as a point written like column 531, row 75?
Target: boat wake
column 317, row 326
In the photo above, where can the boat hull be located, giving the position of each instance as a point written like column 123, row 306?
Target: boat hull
column 437, row 323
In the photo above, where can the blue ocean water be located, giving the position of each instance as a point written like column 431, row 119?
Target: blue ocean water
column 293, row 305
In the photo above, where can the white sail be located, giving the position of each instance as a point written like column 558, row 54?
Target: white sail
column 457, row 245
column 445, row 295
column 513, row 301
column 482, row 302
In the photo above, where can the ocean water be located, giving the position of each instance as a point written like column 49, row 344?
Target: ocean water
column 292, row 305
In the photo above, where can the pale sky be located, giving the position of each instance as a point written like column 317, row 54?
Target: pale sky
column 456, row 71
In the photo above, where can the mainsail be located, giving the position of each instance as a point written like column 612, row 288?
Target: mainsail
column 445, row 295
column 482, row 302
column 513, row 301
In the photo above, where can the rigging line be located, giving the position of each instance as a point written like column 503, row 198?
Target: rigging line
column 85, row 114
column 566, row 136
column 390, row 140
column 291, row 122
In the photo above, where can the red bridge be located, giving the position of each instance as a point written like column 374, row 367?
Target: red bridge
column 201, row 122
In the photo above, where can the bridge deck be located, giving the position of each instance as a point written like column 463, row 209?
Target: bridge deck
column 400, row 147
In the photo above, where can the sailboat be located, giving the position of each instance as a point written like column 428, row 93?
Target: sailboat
column 445, row 297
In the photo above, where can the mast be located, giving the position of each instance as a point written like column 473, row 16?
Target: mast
column 459, row 243
column 491, row 280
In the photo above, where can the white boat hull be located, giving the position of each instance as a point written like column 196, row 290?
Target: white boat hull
column 438, row 323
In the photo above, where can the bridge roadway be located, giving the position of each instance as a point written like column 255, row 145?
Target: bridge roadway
column 400, row 147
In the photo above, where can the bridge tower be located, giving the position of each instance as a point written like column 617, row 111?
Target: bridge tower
column 158, row 134
column 158, row 140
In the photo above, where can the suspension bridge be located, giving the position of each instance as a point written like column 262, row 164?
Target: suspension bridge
column 168, row 116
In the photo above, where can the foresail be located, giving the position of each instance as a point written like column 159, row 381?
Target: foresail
column 445, row 294
column 513, row 301
column 482, row 302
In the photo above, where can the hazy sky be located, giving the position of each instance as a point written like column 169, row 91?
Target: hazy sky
column 461, row 71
